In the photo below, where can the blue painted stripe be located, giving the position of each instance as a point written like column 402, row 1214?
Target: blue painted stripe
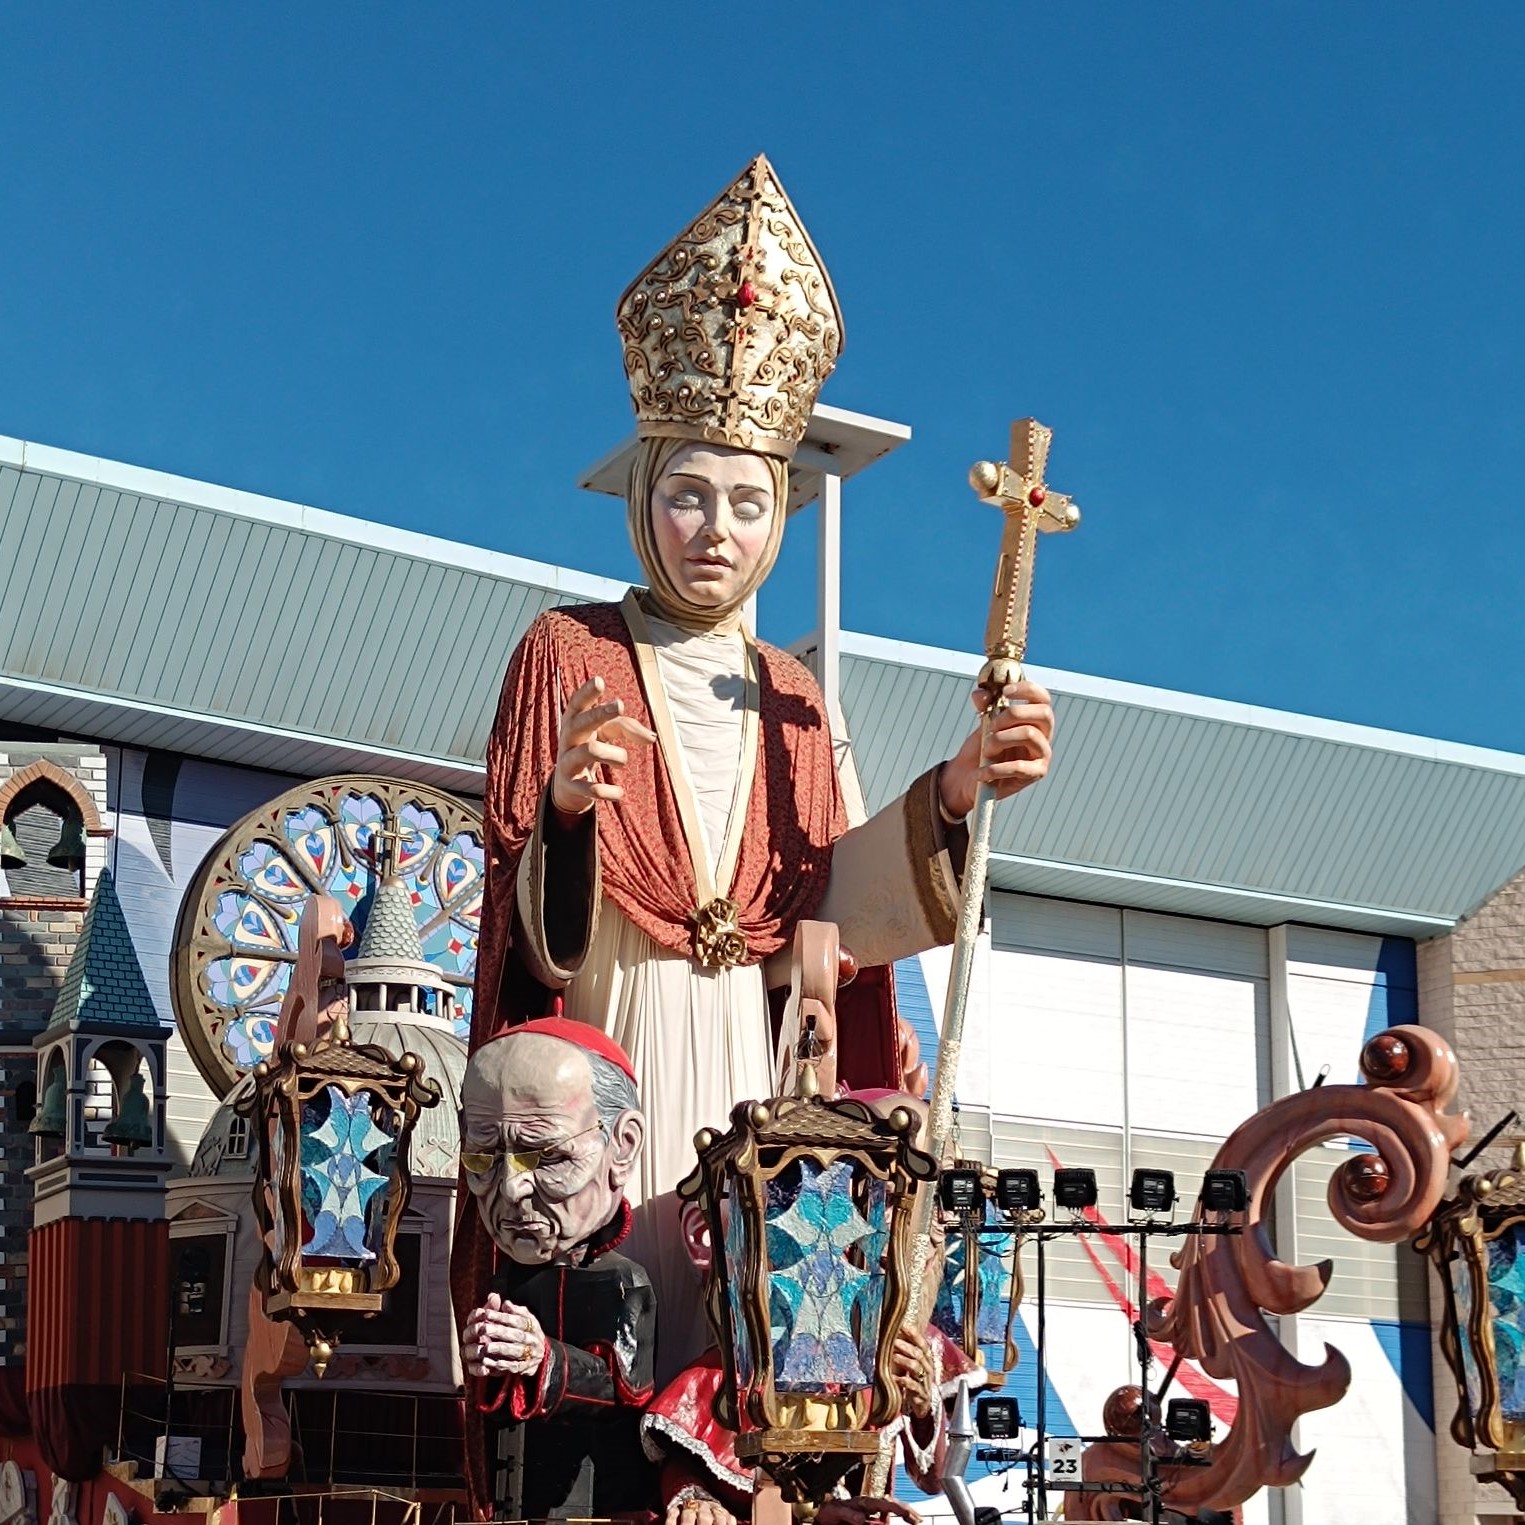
column 1395, row 990
column 915, row 1004
column 1020, row 1383
column 1407, row 1347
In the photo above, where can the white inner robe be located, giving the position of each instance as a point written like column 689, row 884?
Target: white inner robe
column 699, row 1038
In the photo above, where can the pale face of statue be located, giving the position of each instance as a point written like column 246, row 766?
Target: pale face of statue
column 546, row 1172
column 711, row 516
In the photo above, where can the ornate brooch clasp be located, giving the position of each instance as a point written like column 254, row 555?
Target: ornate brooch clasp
column 718, row 940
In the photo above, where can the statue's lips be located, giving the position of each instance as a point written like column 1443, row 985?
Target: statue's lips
column 538, row 1230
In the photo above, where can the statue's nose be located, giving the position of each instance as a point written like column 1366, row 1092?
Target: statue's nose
column 516, row 1185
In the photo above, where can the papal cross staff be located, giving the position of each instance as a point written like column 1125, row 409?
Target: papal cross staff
column 1017, row 488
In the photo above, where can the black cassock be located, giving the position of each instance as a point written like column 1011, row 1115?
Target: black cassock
column 569, row 1442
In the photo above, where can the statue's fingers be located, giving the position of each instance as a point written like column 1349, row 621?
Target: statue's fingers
column 579, row 727
column 1031, row 739
column 605, row 752
column 1041, row 715
column 630, row 729
column 1014, row 770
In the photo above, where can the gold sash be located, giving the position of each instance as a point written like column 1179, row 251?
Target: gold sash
column 718, row 939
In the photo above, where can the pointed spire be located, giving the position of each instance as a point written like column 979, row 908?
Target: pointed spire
column 104, row 986
column 391, row 954
column 391, row 930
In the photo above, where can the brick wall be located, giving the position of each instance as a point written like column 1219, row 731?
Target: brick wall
column 1472, row 990
column 36, row 941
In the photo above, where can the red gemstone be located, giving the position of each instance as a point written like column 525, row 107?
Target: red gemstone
column 746, row 294
column 1036, row 497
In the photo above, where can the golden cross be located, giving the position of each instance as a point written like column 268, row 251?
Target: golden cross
column 1017, row 488
column 386, row 847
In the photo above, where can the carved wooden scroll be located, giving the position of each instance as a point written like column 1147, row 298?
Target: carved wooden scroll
column 1228, row 1284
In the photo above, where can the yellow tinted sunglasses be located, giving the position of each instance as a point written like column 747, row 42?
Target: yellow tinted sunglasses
column 482, row 1162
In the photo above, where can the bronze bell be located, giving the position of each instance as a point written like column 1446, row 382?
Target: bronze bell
column 69, row 850
column 11, row 854
column 50, row 1119
column 132, row 1127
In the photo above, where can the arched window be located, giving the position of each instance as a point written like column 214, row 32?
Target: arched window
column 25, row 1103
column 42, row 850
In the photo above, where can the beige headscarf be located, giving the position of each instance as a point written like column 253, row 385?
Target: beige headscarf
column 651, row 458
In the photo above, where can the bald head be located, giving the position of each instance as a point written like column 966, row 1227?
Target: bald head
column 529, row 1069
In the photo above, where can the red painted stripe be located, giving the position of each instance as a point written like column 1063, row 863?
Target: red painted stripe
column 1224, row 1404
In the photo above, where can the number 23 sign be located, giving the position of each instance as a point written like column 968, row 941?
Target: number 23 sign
column 1063, row 1455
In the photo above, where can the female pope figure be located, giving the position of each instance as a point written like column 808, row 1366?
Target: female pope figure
column 662, row 800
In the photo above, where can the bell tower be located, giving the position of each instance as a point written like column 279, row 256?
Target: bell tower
column 99, row 1128
column 98, row 1251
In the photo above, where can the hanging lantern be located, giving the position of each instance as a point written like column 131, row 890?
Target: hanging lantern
column 975, row 1310
column 808, row 1202
column 333, row 1181
column 1477, row 1242
column 12, row 854
column 52, row 1116
column 69, row 850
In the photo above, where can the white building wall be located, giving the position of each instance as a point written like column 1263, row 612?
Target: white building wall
column 1116, row 1038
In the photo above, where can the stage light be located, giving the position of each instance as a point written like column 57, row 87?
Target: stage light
column 960, row 1191
column 997, row 1418
column 1225, row 1191
column 1188, row 1421
column 1075, row 1189
column 1017, row 1191
column 1152, row 1191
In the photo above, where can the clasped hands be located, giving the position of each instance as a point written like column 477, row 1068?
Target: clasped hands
column 502, row 1339
column 1013, row 753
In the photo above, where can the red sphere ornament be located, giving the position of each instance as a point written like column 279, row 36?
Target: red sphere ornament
column 1366, row 1177
column 746, row 295
column 847, row 965
column 1386, row 1058
column 1122, row 1414
column 1036, row 497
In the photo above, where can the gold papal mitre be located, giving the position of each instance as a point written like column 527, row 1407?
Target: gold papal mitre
column 730, row 331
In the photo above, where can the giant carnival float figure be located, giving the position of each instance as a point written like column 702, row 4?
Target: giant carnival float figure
column 662, row 802
column 560, row 1349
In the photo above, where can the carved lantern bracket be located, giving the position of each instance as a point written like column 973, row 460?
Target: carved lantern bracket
column 334, row 1122
column 1476, row 1241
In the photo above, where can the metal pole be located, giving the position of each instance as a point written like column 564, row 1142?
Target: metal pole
column 1149, row 1469
column 1042, row 1445
column 828, row 591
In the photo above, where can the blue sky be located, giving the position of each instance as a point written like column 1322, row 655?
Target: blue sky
column 1260, row 266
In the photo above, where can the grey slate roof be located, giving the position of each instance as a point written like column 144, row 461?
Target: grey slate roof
column 104, row 986
column 1200, row 807
column 1164, row 801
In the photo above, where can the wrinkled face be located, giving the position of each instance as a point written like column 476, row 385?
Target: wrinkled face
column 546, row 1173
column 711, row 517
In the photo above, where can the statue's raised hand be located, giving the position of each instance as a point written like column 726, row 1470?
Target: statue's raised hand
column 1013, row 753
column 589, row 747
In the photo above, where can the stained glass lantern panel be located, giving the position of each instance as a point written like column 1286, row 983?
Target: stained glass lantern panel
column 825, row 1231
column 1506, row 1298
column 952, row 1290
column 735, row 1274
column 347, row 1159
